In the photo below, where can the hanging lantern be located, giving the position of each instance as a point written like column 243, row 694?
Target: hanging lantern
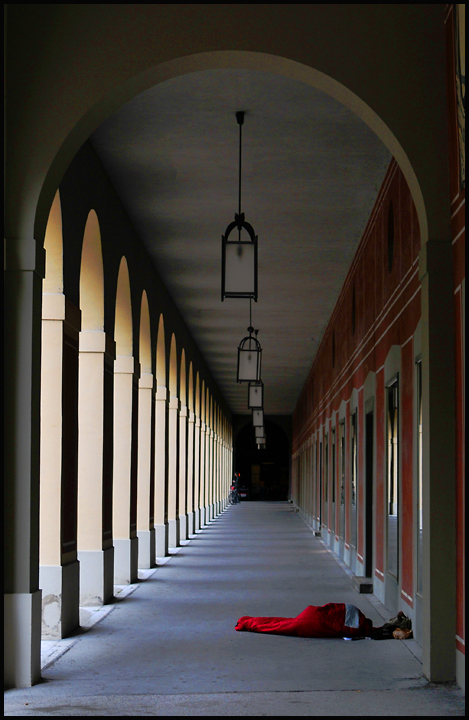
column 260, row 443
column 258, row 418
column 249, row 359
column 259, row 432
column 256, row 395
column 239, row 255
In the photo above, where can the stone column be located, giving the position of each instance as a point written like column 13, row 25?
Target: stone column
column 59, row 567
column 439, row 476
column 182, row 502
column 145, row 477
column 217, row 473
column 197, row 474
column 190, row 474
column 173, row 472
column 161, row 472
column 95, row 467
column 124, row 501
column 208, row 475
column 25, row 268
column 202, row 476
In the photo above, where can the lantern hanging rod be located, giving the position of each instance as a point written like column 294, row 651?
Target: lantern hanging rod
column 240, row 119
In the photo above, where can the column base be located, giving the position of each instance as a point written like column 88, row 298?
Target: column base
column 60, row 585
column 173, row 533
column 125, row 561
column 183, row 527
column 202, row 517
column 161, row 540
column 96, row 576
column 190, row 524
column 22, row 639
column 146, row 549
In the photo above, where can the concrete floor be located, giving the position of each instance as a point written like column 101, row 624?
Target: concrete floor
column 168, row 646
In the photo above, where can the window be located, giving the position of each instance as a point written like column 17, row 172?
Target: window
column 390, row 237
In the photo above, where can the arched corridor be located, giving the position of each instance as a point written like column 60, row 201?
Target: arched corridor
column 169, row 647
column 124, row 418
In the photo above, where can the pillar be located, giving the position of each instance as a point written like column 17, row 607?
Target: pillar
column 95, row 467
column 24, row 270
column 59, row 567
column 196, row 474
column 439, row 477
column 124, row 495
column 182, row 501
column 202, row 475
column 161, row 472
column 173, row 471
column 190, row 473
column 145, row 475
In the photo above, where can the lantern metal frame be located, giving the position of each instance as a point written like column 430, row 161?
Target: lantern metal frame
column 253, row 346
column 240, row 223
column 256, row 388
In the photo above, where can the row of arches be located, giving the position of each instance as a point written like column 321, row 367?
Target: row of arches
column 135, row 448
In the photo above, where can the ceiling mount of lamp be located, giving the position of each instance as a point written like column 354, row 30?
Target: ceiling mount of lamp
column 239, row 256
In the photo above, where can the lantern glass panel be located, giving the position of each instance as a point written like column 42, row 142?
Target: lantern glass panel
column 256, row 395
column 240, row 268
column 258, row 418
column 248, row 364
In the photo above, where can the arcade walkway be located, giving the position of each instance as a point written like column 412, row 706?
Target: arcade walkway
column 170, row 648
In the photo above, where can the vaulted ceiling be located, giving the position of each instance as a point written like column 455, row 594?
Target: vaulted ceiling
column 311, row 173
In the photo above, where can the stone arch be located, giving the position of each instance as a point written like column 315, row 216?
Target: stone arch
column 58, row 441
column 124, row 495
column 197, row 395
column 173, row 368
column 146, row 443
column 145, row 337
column 123, row 320
column 53, row 245
column 331, row 70
column 183, row 381
column 190, row 389
column 92, row 276
column 161, row 354
column 95, row 441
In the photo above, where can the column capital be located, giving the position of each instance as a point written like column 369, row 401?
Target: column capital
column 174, row 403
column 191, row 416
column 162, row 393
column 97, row 341
column 23, row 254
column 146, row 380
column 435, row 257
column 183, row 411
column 126, row 365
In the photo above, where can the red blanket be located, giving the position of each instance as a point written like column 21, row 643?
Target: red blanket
column 325, row 621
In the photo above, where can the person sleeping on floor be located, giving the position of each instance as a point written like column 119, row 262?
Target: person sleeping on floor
column 334, row 620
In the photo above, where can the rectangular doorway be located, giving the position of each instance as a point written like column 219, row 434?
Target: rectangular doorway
column 369, row 470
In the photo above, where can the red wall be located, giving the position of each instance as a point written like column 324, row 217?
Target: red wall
column 458, row 201
column 387, row 313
